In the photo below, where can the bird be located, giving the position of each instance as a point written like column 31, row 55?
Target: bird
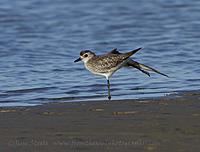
column 107, row 64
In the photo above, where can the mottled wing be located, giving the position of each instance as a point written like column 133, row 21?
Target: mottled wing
column 106, row 63
column 109, row 62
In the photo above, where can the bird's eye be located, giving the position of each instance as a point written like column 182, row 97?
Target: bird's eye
column 85, row 56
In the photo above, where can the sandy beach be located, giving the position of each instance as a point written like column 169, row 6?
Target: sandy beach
column 170, row 123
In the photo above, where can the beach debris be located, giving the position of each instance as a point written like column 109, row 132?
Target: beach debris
column 97, row 109
column 196, row 114
column 124, row 112
column 47, row 113
column 8, row 110
column 14, row 110
column 144, row 101
column 151, row 147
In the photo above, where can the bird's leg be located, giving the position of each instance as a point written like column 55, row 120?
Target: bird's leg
column 108, row 83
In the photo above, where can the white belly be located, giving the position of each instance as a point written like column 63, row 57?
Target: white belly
column 111, row 71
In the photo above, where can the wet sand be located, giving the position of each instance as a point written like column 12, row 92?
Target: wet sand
column 164, row 124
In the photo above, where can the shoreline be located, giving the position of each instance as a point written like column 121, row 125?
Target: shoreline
column 155, row 124
column 173, row 95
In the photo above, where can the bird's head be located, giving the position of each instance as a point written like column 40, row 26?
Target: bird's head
column 85, row 55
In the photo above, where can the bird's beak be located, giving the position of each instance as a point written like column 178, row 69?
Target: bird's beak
column 77, row 60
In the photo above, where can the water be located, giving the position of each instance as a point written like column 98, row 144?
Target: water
column 39, row 41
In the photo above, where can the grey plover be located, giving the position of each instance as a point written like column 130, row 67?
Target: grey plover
column 109, row 63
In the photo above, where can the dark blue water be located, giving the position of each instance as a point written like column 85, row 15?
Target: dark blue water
column 39, row 40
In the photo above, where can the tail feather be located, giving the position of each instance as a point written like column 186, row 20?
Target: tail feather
column 128, row 54
column 132, row 52
column 114, row 51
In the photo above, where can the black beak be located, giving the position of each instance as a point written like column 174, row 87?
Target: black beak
column 79, row 59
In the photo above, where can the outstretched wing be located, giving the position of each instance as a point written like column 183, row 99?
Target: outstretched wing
column 143, row 68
